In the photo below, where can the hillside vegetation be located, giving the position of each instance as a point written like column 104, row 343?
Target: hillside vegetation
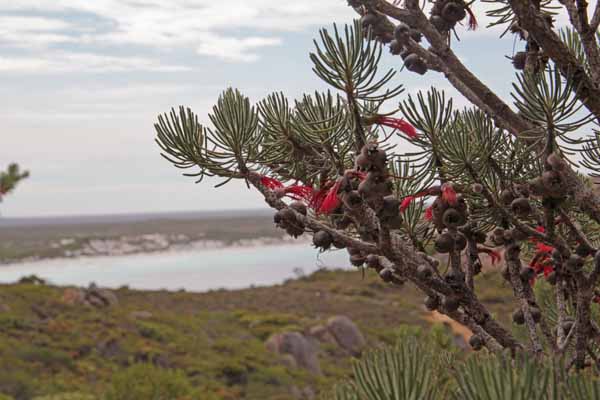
column 199, row 346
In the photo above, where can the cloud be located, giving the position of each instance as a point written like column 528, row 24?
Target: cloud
column 235, row 49
column 212, row 28
column 60, row 62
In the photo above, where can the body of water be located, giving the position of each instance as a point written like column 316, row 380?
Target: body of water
column 197, row 270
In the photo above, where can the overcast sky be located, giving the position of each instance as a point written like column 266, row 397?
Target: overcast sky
column 82, row 81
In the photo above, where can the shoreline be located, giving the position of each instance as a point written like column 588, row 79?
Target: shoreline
column 192, row 246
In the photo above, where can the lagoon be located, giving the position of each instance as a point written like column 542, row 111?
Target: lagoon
column 195, row 270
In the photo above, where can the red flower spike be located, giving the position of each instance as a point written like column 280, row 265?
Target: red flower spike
column 406, row 202
column 400, row 124
column 548, row 270
column 544, row 248
column 271, row 183
column 429, row 213
column 472, row 20
column 298, row 192
column 449, row 194
column 331, row 201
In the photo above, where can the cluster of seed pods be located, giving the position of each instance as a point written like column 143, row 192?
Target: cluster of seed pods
column 445, row 14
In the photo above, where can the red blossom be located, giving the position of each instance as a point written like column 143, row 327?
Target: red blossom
column 544, row 248
column 406, row 202
column 596, row 299
column 299, row 192
column 429, row 213
column 449, row 194
column 331, row 200
column 398, row 123
column 271, row 183
column 472, row 20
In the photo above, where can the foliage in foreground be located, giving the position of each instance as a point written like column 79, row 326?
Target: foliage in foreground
column 416, row 369
column 494, row 180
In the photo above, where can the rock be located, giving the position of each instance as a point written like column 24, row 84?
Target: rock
column 73, row 296
column 296, row 345
column 346, row 334
column 322, row 334
column 110, row 348
column 140, row 315
column 100, row 297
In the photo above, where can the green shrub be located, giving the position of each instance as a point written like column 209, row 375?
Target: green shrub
column 16, row 385
column 145, row 381
column 66, row 396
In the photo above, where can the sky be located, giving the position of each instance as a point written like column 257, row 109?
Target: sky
column 83, row 81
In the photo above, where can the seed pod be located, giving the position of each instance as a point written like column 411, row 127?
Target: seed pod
column 536, row 314
column 396, row 47
column 454, row 12
column 432, row 302
column 338, row 244
column 390, row 207
column 506, row 197
column 552, row 278
column 369, row 19
column 519, row 60
column 460, row 242
column 440, row 23
column 518, row 234
column 452, row 218
column 526, row 273
column 523, row 190
column 556, row 255
column 476, row 342
column 575, row 263
column 477, row 267
column 479, row 237
column 402, row 33
column 518, row 317
column 444, row 243
column 353, row 250
column 477, row 188
column 343, row 223
column 372, row 261
column 416, row 35
column 505, row 272
column 277, row 218
column 405, row 53
column 415, row 64
column 294, row 230
column 353, row 199
column 424, row 271
column 552, row 184
column 366, row 188
column 362, row 162
column 536, row 186
column 299, row 207
column 450, row 303
column 387, row 275
column 437, row 210
column 521, row 207
column 583, row 250
column 498, row 236
column 357, row 260
column 556, row 162
column 378, row 160
column 508, row 236
column 322, row 240
column 288, row 215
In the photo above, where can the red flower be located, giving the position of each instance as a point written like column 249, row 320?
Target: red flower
column 406, row 202
column 398, row 123
column 271, row 183
column 429, row 213
column 331, row 200
column 299, row 192
column 472, row 20
column 449, row 194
